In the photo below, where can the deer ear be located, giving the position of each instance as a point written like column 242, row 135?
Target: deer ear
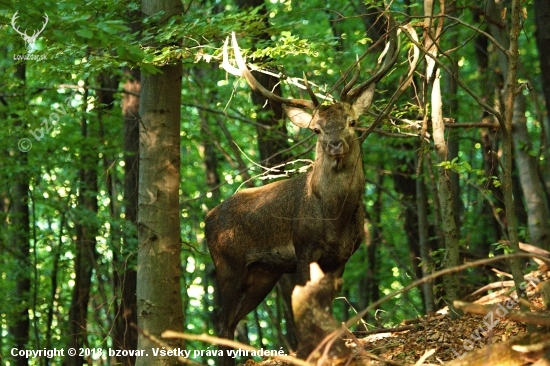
column 364, row 101
column 298, row 116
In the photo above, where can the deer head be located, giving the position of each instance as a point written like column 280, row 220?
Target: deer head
column 327, row 121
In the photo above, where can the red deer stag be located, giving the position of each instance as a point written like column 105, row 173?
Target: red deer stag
column 258, row 234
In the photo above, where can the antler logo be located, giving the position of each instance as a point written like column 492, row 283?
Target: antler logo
column 29, row 39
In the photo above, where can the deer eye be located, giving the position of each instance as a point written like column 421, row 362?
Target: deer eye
column 352, row 123
column 317, row 131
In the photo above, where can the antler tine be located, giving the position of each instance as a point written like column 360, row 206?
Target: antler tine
column 353, row 80
column 13, row 18
column 16, row 28
column 392, row 52
column 311, row 92
column 44, row 26
column 225, row 62
column 254, row 84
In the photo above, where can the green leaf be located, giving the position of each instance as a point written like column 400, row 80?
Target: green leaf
column 85, row 33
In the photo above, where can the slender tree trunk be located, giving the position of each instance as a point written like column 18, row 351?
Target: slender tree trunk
column 272, row 128
column 86, row 232
column 445, row 189
column 452, row 108
column 56, row 255
column 424, row 240
column 4, row 260
column 375, row 27
column 506, row 131
column 212, row 177
column 159, row 300
column 370, row 282
column 542, row 33
column 538, row 216
column 404, row 183
column 125, row 336
column 19, row 240
column 542, row 21
column 493, row 209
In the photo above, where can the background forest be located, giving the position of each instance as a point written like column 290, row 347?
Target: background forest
column 456, row 157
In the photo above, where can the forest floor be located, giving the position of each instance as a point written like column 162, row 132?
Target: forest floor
column 448, row 338
column 437, row 339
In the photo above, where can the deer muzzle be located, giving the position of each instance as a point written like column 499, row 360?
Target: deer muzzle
column 336, row 148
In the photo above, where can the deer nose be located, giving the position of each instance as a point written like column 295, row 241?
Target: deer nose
column 336, row 147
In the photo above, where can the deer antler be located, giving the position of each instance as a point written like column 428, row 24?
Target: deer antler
column 391, row 51
column 242, row 71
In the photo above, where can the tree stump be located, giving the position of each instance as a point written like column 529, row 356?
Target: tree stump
column 311, row 305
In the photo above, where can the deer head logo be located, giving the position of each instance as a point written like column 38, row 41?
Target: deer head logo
column 29, row 39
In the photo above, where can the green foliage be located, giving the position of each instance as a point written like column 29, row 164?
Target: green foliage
column 471, row 176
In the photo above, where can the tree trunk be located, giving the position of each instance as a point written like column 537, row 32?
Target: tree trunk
column 452, row 108
column 542, row 21
column 404, row 183
column 125, row 336
column 538, row 217
column 159, row 300
column 494, row 209
column 18, row 236
column 213, row 180
column 272, row 128
column 445, row 190
column 86, row 232
column 424, row 240
column 542, row 33
column 311, row 305
column 370, row 282
column 56, row 258
column 506, row 131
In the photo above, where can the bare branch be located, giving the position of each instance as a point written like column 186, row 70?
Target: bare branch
column 391, row 52
column 411, row 34
column 465, row 87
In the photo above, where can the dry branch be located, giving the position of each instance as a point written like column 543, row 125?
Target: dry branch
column 519, row 316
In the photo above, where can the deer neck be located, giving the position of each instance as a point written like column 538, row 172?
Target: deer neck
column 339, row 186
